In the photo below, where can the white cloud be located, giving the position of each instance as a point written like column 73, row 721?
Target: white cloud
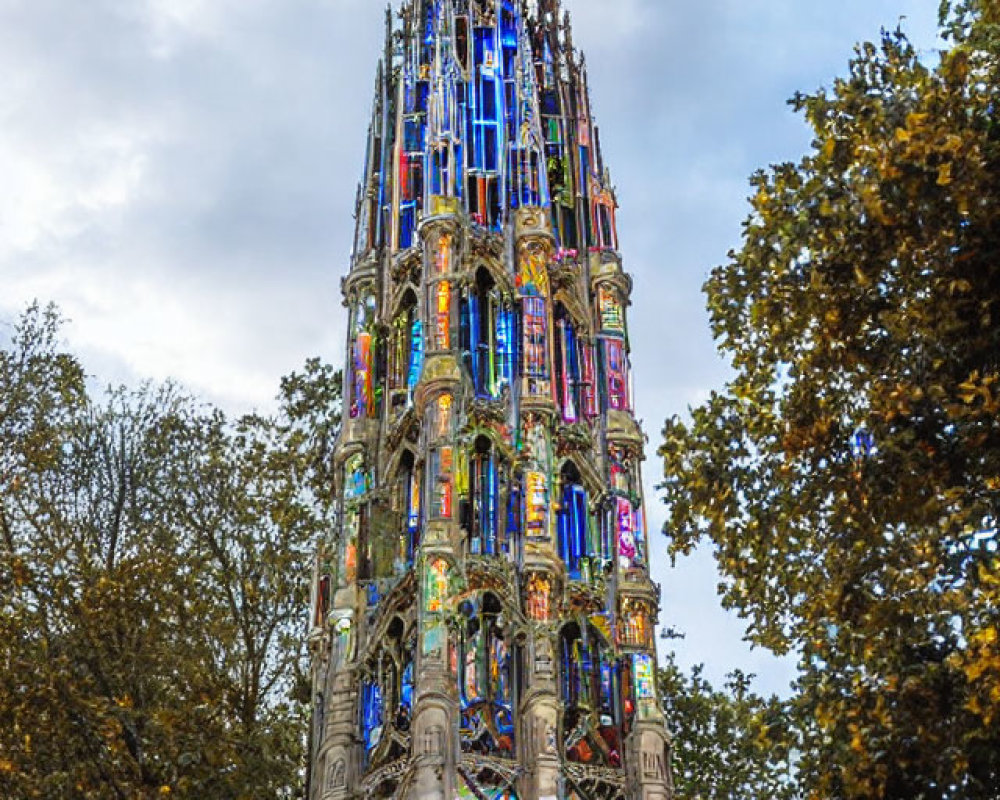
column 55, row 193
column 591, row 19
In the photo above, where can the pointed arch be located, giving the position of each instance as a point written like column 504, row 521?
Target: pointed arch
column 483, row 516
column 576, row 310
column 406, row 294
column 589, row 474
column 574, row 362
column 486, row 673
column 406, row 483
column 406, row 351
column 386, row 699
column 488, row 332
column 589, row 683
column 579, row 546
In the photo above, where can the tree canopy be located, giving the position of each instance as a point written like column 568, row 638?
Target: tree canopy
column 727, row 742
column 849, row 473
column 153, row 581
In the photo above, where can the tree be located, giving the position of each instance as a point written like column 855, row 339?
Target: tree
column 153, row 570
column 726, row 744
column 849, row 474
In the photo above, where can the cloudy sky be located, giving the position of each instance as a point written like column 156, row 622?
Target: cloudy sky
column 178, row 175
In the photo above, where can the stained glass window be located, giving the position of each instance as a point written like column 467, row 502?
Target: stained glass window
column 349, row 554
column 442, row 317
column 406, row 687
column 589, row 386
column 487, row 327
column 413, row 504
column 473, row 341
column 355, row 478
column 645, row 678
column 411, row 183
column 484, row 676
column 361, row 383
column 611, row 311
column 443, row 416
column 371, row 715
column 410, row 480
column 538, row 600
column 442, row 489
column 567, row 370
column 413, row 134
column 505, row 347
column 514, row 512
column 485, row 502
column 462, row 41
column 437, row 588
column 440, row 170
column 603, row 222
column 536, row 509
column 640, row 533
column 442, row 258
column 636, row 624
column 362, row 398
column 574, row 538
column 535, row 330
column 625, row 524
column 416, row 355
column 399, row 351
column 405, row 356
column 616, row 366
column 586, row 670
column 533, row 276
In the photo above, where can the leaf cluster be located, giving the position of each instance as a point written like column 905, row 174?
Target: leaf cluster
column 849, row 474
column 728, row 743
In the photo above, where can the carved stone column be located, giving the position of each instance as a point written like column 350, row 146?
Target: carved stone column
column 339, row 754
column 539, row 719
column 648, row 749
column 435, row 712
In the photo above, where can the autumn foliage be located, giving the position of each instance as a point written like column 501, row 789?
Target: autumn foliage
column 849, row 473
column 153, row 582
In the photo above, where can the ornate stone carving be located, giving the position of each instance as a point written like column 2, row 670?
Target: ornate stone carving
column 488, row 576
column 336, row 775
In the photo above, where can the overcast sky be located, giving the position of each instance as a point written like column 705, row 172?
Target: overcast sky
column 179, row 176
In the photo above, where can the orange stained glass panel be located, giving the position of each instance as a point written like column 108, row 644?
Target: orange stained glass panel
column 443, row 326
column 444, row 415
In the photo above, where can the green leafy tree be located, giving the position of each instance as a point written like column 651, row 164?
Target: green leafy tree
column 153, row 569
column 309, row 424
column 727, row 744
column 849, row 474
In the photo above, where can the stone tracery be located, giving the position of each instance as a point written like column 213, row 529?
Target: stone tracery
column 483, row 612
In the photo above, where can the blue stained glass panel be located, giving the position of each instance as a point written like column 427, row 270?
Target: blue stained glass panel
column 416, row 354
column 473, row 311
column 573, row 538
column 406, row 688
column 371, row 715
column 505, row 347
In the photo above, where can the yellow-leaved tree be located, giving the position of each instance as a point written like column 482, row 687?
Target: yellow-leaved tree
column 153, row 566
column 849, row 473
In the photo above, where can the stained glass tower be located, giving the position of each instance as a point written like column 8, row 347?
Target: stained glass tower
column 483, row 613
